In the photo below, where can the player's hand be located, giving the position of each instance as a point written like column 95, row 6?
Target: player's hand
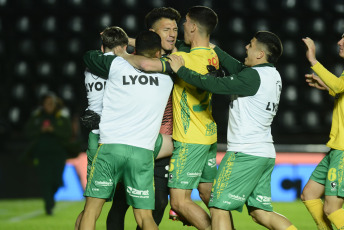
column 90, row 119
column 176, row 62
column 315, row 81
column 311, row 51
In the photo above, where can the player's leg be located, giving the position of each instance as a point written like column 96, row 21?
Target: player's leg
column 92, row 210
column 186, row 167
column 139, row 185
column 334, row 189
column 144, row 219
column 161, row 167
column 270, row 220
column 221, row 219
column 181, row 202
column 311, row 197
column 164, row 144
column 119, row 207
column 334, row 211
column 259, row 201
column 208, row 174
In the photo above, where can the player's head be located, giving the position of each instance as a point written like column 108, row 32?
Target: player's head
column 201, row 17
column 148, row 44
column 264, row 47
column 112, row 37
column 163, row 21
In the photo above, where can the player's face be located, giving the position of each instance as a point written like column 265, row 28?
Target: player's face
column 168, row 32
column 49, row 105
column 341, row 47
column 252, row 52
column 188, row 24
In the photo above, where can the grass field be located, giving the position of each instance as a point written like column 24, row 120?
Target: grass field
column 28, row 214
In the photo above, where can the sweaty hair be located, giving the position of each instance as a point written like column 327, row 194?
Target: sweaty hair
column 272, row 43
column 114, row 36
column 161, row 12
column 147, row 43
column 205, row 16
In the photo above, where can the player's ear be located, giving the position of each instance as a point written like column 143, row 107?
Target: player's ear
column 158, row 54
column 151, row 30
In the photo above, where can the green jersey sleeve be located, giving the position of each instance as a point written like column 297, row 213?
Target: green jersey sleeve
column 244, row 83
column 230, row 64
column 98, row 63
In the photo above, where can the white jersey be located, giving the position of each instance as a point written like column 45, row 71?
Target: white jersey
column 95, row 87
column 133, row 105
column 250, row 118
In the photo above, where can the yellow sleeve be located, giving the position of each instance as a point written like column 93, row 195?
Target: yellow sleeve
column 335, row 84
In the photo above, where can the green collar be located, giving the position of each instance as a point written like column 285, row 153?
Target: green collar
column 200, row 48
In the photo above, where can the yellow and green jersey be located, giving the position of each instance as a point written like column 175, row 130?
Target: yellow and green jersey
column 192, row 113
column 336, row 86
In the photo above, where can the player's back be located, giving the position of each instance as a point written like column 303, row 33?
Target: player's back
column 134, row 103
column 192, row 118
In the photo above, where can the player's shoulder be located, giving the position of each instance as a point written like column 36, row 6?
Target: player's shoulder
column 180, row 53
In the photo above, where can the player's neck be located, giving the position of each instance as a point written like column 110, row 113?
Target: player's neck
column 200, row 42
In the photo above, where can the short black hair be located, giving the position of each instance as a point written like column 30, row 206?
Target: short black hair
column 114, row 36
column 205, row 16
column 147, row 43
column 272, row 43
column 161, row 12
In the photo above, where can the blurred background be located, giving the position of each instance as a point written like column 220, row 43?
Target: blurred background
column 42, row 43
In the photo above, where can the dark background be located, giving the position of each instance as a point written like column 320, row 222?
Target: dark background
column 42, row 43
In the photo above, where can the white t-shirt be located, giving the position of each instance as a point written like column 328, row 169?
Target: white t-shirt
column 95, row 87
column 250, row 118
column 133, row 105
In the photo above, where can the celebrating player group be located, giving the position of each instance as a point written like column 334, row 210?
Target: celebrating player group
column 152, row 133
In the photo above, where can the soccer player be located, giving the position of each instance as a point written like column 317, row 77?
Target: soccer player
column 163, row 21
column 244, row 174
column 193, row 162
column 328, row 177
column 132, row 142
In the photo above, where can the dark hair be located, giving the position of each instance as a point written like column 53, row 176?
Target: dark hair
column 114, row 36
column 161, row 12
column 147, row 43
column 272, row 43
column 205, row 16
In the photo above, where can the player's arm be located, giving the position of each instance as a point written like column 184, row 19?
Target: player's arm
column 335, row 84
column 98, row 63
column 229, row 63
column 245, row 83
column 147, row 64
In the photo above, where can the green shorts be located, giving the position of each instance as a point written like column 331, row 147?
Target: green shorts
column 192, row 164
column 91, row 150
column 242, row 179
column 130, row 165
column 158, row 145
column 330, row 172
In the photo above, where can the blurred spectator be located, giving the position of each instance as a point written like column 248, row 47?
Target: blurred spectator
column 49, row 132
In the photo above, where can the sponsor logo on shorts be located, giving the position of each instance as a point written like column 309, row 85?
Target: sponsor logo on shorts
column 194, row 174
column 236, row 197
column 226, row 202
column 137, row 193
column 265, row 200
column 170, row 176
column 95, row 189
column 212, row 162
column 104, row 183
column 184, row 182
